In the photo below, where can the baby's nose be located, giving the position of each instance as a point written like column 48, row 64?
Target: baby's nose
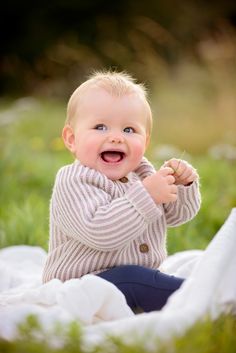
column 116, row 138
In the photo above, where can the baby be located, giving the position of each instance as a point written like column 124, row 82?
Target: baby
column 110, row 209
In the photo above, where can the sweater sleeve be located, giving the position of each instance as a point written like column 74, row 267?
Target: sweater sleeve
column 186, row 206
column 145, row 169
column 85, row 211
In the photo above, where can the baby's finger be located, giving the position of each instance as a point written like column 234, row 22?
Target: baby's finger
column 185, row 172
column 190, row 178
column 182, row 167
column 170, row 179
column 173, row 163
column 166, row 171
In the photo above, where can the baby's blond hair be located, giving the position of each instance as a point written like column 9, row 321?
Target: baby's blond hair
column 117, row 84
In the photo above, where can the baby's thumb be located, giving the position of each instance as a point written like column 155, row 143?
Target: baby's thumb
column 164, row 171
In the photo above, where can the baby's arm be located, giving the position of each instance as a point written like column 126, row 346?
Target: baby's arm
column 83, row 210
column 175, row 186
column 186, row 206
column 189, row 199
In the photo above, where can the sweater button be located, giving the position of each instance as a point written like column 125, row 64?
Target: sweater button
column 124, row 179
column 143, row 248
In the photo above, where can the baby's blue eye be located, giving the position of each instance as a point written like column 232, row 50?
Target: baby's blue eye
column 100, row 127
column 129, row 130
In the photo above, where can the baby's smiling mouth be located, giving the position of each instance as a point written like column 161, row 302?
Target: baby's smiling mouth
column 112, row 156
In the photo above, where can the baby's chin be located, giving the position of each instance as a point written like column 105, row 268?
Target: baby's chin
column 114, row 175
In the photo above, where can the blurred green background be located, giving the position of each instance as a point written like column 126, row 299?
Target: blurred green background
column 185, row 53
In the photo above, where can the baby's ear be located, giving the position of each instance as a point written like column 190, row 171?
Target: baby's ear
column 69, row 138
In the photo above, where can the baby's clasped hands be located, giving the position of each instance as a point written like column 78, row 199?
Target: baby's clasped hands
column 162, row 186
column 183, row 172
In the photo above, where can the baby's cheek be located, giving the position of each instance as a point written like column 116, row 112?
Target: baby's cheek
column 138, row 150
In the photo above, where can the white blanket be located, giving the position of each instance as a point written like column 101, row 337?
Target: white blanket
column 210, row 288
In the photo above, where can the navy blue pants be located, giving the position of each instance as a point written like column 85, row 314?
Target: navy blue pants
column 143, row 288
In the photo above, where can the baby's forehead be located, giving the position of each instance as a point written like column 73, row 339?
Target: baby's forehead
column 102, row 87
column 94, row 91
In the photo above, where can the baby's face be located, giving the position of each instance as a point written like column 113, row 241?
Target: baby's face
column 110, row 133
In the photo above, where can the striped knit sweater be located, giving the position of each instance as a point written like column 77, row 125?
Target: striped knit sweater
column 97, row 223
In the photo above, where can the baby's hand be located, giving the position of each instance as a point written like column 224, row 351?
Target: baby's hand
column 183, row 172
column 161, row 185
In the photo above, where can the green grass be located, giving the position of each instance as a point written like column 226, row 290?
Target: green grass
column 205, row 336
column 31, row 152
